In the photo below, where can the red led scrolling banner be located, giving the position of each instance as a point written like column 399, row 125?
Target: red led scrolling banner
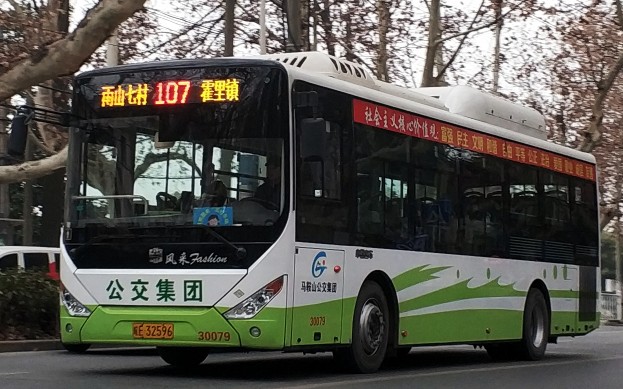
column 418, row 127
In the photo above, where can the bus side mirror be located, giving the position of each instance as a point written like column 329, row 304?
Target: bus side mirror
column 313, row 138
column 19, row 134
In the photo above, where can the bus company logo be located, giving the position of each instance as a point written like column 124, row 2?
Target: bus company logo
column 319, row 265
column 155, row 255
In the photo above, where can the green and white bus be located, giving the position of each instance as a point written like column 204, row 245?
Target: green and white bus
column 292, row 202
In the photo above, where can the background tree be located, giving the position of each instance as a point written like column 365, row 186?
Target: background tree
column 586, row 104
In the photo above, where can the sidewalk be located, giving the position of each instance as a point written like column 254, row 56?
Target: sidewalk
column 10, row 346
column 7, row 346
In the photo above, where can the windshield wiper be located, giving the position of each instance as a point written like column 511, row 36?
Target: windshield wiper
column 240, row 252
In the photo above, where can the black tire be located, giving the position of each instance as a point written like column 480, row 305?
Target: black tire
column 536, row 323
column 183, row 356
column 77, row 348
column 535, row 333
column 370, row 332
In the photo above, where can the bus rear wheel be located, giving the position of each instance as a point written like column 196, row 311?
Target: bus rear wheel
column 370, row 332
column 183, row 356
column 535, row 327
column 535, row 333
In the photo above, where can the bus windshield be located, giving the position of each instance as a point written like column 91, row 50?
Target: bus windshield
column 179, row 147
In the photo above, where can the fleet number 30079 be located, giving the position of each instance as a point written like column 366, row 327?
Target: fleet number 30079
column 214, row 336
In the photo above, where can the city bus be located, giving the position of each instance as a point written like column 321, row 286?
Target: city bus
column 293, row 202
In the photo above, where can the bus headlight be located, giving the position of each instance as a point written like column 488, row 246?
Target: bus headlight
column 258, row 300
column 74, row 306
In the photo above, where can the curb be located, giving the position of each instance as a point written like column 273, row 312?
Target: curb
column 8, row 346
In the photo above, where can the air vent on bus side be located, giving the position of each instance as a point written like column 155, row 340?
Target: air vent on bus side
column 322, row 63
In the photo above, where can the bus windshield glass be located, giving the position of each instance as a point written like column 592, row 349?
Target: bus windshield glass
column 179, row 147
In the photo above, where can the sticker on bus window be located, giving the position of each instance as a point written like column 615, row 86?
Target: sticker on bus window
column 213, row 216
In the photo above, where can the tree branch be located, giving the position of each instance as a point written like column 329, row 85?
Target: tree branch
column 592, row 134
column 474, row 29
column 445, row 67
column 619, row 9
column 66, row 55
column 33, row 169
column 37, row 142
column 150, row 159
column 17, row 7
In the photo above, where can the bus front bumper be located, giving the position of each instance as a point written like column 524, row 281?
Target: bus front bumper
column 202, row 327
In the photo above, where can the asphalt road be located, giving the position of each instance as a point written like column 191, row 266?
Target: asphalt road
column 594, row 361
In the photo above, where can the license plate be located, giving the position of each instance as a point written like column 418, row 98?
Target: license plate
column 152, row 330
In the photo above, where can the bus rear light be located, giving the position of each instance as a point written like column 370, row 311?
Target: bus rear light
column 257, row 301
column 74, row 307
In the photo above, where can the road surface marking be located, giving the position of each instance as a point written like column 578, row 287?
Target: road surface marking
column 383, row 378
column 13, row 373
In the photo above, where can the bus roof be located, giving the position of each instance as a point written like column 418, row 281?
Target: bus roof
column 448, row 104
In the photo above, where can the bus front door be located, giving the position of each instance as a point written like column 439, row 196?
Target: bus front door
column 318, row 291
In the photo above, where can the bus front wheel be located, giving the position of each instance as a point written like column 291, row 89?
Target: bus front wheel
column 370, row 331
column 77, row 348
column 183, row 356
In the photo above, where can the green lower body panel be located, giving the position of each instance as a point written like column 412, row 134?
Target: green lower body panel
column 204, row 327
column 71, row 326
column 191, row 326
column 479, row 325
column 271, row 323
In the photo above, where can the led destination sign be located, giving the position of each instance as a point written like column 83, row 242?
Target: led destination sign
column 170, row 93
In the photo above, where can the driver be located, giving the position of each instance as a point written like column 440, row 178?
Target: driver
column 270, row 190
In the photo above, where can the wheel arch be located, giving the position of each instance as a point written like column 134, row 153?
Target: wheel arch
column 540, row 285
column 387, row 286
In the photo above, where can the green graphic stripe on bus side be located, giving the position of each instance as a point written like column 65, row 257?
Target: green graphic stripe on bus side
column 569, row 294
column 477, row 325
column 460, row 291
column 416, row 276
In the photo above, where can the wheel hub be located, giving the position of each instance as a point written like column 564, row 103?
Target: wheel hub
column 538, row 327
column 372, row 324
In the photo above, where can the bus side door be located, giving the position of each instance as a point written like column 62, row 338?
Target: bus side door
column 318, row 292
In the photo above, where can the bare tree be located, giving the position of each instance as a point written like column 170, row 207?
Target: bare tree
column 61, row 56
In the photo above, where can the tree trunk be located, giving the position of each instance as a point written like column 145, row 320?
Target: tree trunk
column 497, row 4
column 349, row 36
column 327, row 27
column 230, row 7
column 434, row 28
column 52, row 200
column 6, row 227
column 293, row 11
column 52, row 203
column 381, row 63
column 27, row 205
